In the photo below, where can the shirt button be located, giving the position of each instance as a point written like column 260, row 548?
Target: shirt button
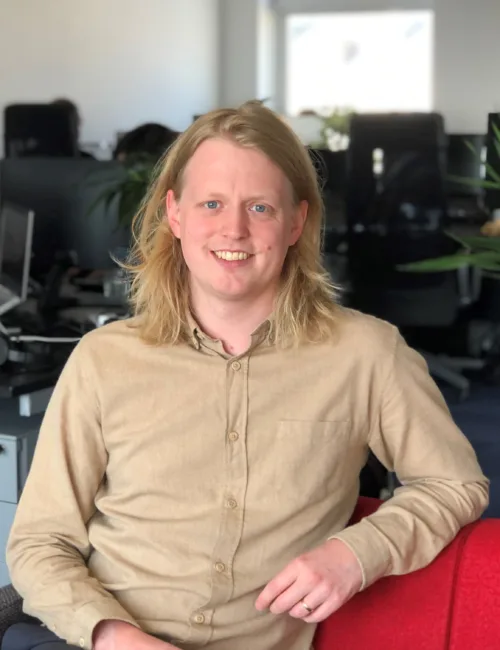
column 233, row 436
column 220, row 567
column 232, row 503
column 81, row 642
column 199, row 618
column 236, row 365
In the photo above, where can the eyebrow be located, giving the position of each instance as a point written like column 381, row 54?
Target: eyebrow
column 254, row 198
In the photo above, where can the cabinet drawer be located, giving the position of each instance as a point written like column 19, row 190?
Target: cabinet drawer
column 7, row 513
column 9, row 468
column 4, row 575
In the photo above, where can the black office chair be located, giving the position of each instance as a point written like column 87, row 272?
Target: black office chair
column 396, row 214
column 40, row 130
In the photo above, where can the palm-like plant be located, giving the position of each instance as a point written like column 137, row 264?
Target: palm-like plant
column 130, row 190
column 482, row 252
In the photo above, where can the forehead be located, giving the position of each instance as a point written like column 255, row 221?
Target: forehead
column 221, row 165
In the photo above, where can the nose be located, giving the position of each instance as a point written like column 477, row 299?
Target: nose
column 236, row 222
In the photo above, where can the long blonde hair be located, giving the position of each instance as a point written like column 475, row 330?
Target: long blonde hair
column 304, row 308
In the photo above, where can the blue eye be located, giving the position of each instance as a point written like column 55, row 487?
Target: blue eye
column 212, row 205
column 260, row 208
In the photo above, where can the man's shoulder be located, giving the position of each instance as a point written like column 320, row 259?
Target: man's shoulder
column 113, row 345
column 123, row 332
column 363, row 334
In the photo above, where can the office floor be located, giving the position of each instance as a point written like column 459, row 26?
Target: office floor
column 479, row 419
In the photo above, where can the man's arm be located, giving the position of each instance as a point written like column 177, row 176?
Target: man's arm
column 443, row 486
column 48, row 544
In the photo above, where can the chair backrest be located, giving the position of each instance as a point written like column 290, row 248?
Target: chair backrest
column 450, row 605
column 39, row 130
column 396, row 197
column 397, row 211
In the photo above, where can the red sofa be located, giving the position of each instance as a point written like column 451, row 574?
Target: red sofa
column 453, row 604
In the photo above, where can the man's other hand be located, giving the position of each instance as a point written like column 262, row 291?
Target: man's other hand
column 118, row 635
column 315, row 584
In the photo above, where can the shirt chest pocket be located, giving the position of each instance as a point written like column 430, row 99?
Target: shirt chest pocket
column 309, row 460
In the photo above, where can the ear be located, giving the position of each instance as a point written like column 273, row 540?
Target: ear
column 172, row 214
column 299, row 219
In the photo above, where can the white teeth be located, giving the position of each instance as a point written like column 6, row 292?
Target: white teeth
column 230, row 256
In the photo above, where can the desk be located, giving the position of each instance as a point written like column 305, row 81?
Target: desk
column 23, row 383
column 18, row 436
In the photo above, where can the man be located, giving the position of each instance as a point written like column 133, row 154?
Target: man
column 72, row 109
column 197, row 466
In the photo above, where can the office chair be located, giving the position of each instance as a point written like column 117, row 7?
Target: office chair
column 397, row 213
column 39, row 130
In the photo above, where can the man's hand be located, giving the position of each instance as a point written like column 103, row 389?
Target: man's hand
column 118, row 635
column 315, row 584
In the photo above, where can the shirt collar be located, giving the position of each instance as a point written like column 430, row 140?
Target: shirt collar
column 199, row 338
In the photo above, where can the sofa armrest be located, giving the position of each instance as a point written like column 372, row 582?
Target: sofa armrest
column 11, row 609
column 451, row 603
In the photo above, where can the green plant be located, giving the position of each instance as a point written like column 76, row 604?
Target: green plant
column 336, row 123
column 130, row 190
column 482, row 252
column 492, row 181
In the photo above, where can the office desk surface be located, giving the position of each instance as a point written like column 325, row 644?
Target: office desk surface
column 12, row 424
column 13, row 385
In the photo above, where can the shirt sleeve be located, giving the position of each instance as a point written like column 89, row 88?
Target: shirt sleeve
column 443, row 487
column 49, row 545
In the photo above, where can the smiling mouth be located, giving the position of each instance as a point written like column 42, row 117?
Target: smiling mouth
column 232, row 256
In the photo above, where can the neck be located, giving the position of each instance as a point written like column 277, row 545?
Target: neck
column 232, row 323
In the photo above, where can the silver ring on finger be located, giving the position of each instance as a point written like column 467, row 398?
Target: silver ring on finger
column 308, row 609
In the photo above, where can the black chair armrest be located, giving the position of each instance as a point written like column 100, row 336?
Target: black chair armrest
column 11, row 609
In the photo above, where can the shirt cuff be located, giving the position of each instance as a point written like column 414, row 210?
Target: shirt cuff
column 370, row 550
column 85, row 620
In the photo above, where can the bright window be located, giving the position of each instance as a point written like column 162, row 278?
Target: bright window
column 364, row 61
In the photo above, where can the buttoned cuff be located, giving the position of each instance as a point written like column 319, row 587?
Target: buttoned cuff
column 79, row 631
column 370, row 550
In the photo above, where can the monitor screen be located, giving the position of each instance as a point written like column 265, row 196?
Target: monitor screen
column 16, row 233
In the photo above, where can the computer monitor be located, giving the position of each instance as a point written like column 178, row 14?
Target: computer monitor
column 16, row 236
column 64, row 194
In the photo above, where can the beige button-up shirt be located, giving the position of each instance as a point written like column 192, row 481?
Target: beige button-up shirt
column 170, row 484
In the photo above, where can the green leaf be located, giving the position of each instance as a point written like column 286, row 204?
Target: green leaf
column 477, row 242
column 446, row 263
column 486, row 260
column 493, row 173
column 470, row 146
column 475, row 182
column 103, row 197
column 496, row 130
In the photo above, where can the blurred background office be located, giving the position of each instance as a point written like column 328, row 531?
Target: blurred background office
column 397, row 101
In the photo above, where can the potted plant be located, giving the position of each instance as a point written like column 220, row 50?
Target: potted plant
column 130, row 190
column 482, row 251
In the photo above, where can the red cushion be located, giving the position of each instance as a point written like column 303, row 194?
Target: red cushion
column 419, row 611
column 476, row 614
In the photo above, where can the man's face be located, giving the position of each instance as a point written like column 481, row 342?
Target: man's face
column 235, row 220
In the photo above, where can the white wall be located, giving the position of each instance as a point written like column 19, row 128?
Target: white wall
column 247, row 50
column 467, row 62
column 466, row 56
column 238, row 51
column 122, row 61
